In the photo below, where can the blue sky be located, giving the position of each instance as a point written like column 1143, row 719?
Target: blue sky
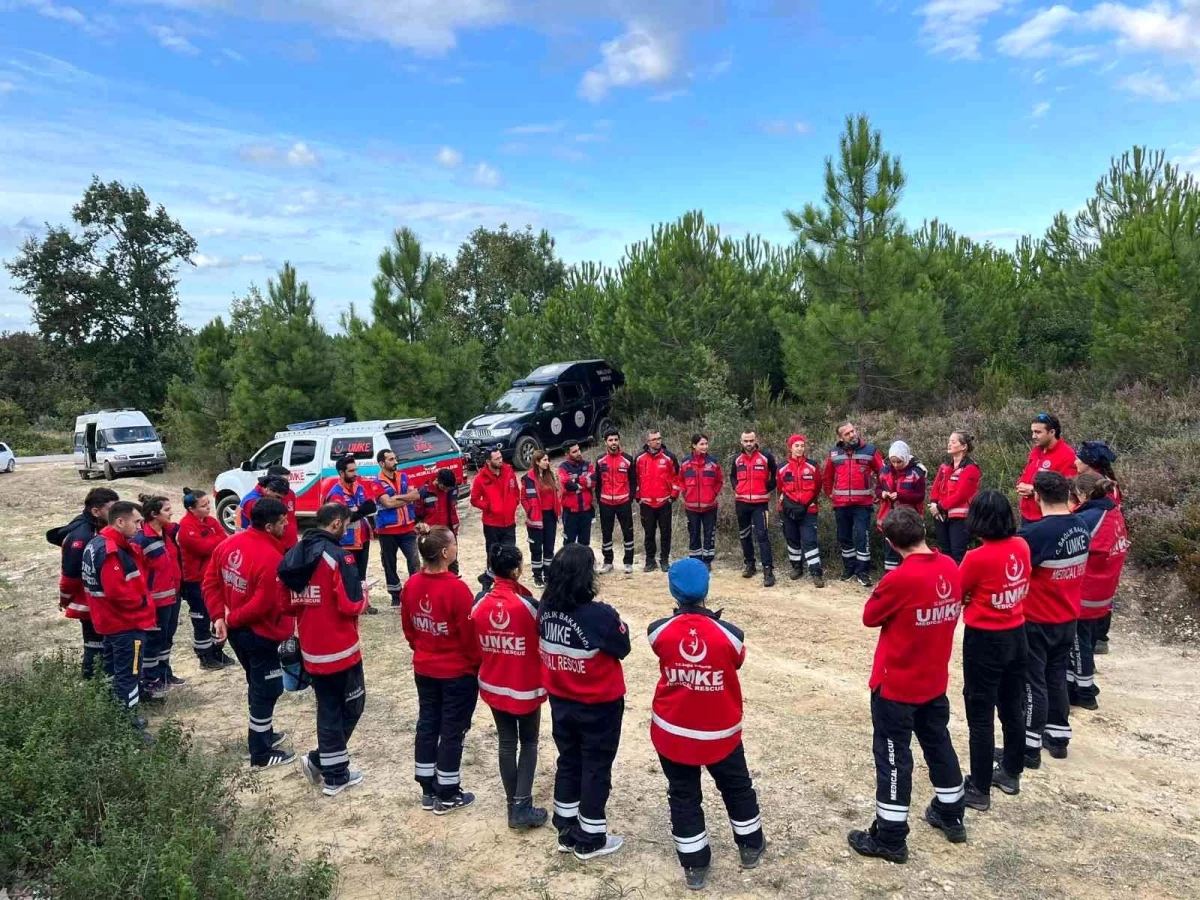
column 307, row 130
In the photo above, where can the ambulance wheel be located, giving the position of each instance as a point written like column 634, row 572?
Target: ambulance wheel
column 109, row 473
column 523, row 452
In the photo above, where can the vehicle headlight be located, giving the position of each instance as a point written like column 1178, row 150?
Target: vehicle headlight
column 161, row 454
column 120, row 456
column 501, row 432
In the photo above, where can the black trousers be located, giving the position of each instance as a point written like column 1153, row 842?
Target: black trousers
column 800, row 533
column 994, row 664
column 264, row 685
column 854, row 537
column 1081, row 676
column 362, row 558
column 656, row 529
column 341, row 699
column 93, row 646
column 517, row 771
column 752, row 526
column 1047, row 713
column 390, row 546
column 123, row 663
column 494, row 535
column 203, row 642
column 891, row 559
column 541, row 542
column 952, row 537
column 684, row 796
column 702, row 533
column 577, row 527
column 445, row 707
column 895, row 723
column 587, row 736
column 609, row 515
column 1105, row 624
column 157, row 663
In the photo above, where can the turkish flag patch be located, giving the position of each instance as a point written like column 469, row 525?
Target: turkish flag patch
column 76, row 545
column 622, row 628
column 348, row 559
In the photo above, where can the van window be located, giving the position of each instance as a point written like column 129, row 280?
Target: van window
column 358, row 447
column 571, row 392
column 79, row 440
column 270, row 455
column 302, row 453
column 419, row 444
column 130, row 434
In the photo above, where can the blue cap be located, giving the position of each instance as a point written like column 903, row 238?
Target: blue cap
column 688, row 581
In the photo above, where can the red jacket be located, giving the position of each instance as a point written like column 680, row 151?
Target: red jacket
column 496, row 496
column 114, row 578
column 908, row 483
column 73, row 538
column 291, row 534
column 1106, row 557
column 657, row 477
column 696, row 717
column 537, row 499
column 995, row 582
column 435, row 611
column 916, row 606
column 325, row 594
column 700, row 482
column 1060, row 458
column 241, row 585
column 510, row 675
column 577, row 481
column 799, row 485
column 616, row 479
column 438, row 507
column 847, row 474
column 198, row 538
column 1058, row 549
column 161, row 557
column 753, row 477
column 954, row 487
column 581, row 652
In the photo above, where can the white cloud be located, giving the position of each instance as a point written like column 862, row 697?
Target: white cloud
column 1034, row 38
column 1080, row 56
column 780, row 127
column 300, row 156
column 487, row 176
column 668, row 96
column 537, row 128
column 1040, row 109
column 637, row 57
column 204, row 261
column 1157, row 27
column 1150, row 86
column 50, row 10
column 7, row 87
column 233, row 54
column 953, row 27
column 448, row 158
column 173, row 40
column 591, row 137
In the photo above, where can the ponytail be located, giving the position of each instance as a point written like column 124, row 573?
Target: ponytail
column 1093, row 486
column 152, row 505
column 433, row 544
column 191, row 498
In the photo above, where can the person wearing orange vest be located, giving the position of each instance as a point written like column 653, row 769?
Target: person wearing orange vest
column 799, row 497
column 696, row 723
column 1050, row 453
column 752, row 474
column 657, row 487
column 616, row 484
column 849, row 470
column 395, row 522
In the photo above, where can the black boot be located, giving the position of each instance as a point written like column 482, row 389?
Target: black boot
column 768, row 576
column 749, row 571
column 523, row 814
column 538, row 580
column 953, row 829
column 865, row 843
column 797, row 572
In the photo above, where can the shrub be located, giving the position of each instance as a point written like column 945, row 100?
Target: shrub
column 90, row 811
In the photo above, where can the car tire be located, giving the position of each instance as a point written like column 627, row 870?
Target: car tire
column 11, row 467
column 523, row 451
column 227, row 507
column 602, row 426
column 110, row 474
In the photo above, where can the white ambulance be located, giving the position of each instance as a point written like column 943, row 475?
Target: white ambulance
column 115, row 442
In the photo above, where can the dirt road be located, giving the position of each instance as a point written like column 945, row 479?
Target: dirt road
column 1119, row 818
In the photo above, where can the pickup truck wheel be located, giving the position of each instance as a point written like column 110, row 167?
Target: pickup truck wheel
column 227, row 512
column 523, row 452
column 602, row 426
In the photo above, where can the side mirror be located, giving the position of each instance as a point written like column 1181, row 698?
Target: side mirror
column 547, row 406
column 246, row 466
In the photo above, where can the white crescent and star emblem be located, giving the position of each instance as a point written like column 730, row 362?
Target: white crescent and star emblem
column 1045, row 463
column 426, row 606
column 235, row 560
column 698, row 650
column 944, row 590
column 1015, row 569
column 499, row 618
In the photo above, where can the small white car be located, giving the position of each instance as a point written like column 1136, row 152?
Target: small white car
column 8, row 460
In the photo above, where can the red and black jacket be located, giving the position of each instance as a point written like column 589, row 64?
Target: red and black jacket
column 582, row 651
column 799, row 486
column 577, row 480
column 73, row 538
column 115, row 582
column 241, row 585
column 537, row 499
column 198, row 539
column 1106, row 556
column 504, row 620
column 954, row 487
column 700, row 483
column 908, row 483
column 160, row 555
column 657, row 477
column 753, row 477
column 616, row 479
column 438, row 507
column 325, row 595
column 848, row 472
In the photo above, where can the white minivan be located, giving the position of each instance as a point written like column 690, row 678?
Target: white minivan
column 115, row 442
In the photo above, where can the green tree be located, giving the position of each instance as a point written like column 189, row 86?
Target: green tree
column 491, row 268
column 872, row 331
column 198, row 412
column 37, row 378
column 106, row 296
column 283, row 368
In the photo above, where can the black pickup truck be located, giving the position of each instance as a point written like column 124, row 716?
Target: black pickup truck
column 552, row 407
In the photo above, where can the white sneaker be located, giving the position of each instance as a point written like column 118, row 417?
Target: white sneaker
column 629, row 569
column 311, row 772
column 612, row 843
column 332, row 790
column 605, row 569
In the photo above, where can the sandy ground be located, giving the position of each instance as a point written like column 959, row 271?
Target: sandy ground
column 1119, row 818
